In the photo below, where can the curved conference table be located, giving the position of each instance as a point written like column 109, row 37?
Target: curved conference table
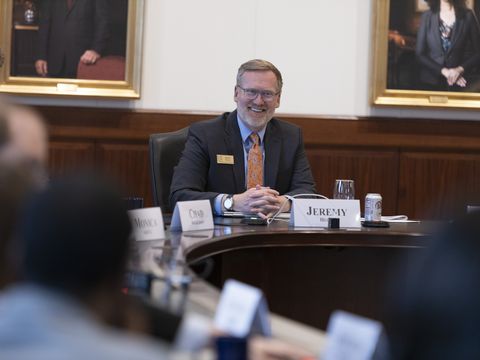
column 305, row 274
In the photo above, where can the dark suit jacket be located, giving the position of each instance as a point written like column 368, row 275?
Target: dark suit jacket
column 465, row 49
column 199, row 176
column 64, row 34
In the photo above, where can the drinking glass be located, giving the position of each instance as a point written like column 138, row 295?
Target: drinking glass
column 344, row 189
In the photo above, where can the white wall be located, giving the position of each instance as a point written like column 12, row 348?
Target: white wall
column 192, row 49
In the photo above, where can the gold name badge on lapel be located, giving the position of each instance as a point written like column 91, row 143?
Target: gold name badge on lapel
column 225, row 159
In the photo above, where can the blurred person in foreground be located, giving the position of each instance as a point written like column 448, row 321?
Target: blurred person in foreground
column 19, row 178
column 74, row 241
column 435, row 312
column 26, row 132
column 23, row 157
column 23, row 153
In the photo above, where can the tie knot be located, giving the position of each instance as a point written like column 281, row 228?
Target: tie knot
column 255, row 138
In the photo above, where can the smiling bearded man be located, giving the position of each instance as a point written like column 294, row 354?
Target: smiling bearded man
column 246, row 160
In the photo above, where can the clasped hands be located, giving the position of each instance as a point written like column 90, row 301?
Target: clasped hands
column 260, row 200
column 454, row 76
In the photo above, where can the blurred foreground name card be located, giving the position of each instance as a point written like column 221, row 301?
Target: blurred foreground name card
column 192, row 215
column 147, row 224
column 242, row 310
column 351, row 337
column 316, row 212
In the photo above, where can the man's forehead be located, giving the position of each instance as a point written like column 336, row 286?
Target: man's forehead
column 259, row 73
column 262, row 77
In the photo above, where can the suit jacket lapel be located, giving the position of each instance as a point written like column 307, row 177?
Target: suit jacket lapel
column 233, row 142
column 456, row 32
column 272, row 147
column 436, row 32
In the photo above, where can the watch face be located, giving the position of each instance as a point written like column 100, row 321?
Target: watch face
column 228, row 203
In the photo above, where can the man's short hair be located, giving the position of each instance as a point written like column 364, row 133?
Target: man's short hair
column 260, row 65
column 76, row 236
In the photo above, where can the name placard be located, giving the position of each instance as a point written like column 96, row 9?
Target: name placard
column 147, row 224
column 192, row 215
column 242, row 310
column 316, row 212
column 351, row 337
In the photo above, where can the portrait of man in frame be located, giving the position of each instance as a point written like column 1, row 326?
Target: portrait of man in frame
column 71, row 47
column 69, row 38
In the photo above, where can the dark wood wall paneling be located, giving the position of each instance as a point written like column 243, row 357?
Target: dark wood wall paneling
column 423, row 168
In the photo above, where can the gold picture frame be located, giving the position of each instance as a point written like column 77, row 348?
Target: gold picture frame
column 395, row 67
column 128, row 88
column 421, row 5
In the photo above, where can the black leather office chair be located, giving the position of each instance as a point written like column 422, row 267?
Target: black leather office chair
column 165, row 151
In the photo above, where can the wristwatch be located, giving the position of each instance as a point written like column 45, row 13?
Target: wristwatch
column 228, row 203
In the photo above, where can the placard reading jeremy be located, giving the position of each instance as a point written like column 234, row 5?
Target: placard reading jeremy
column 316, row 212
column 147, row 224
column 192, row 215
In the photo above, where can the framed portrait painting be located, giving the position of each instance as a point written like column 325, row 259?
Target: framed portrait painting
column 71, row 48
column 425, row 55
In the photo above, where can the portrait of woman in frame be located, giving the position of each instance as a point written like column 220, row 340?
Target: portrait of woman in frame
column 427, row 53
column 71, row 47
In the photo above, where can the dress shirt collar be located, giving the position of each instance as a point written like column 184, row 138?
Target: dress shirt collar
column 245, row 131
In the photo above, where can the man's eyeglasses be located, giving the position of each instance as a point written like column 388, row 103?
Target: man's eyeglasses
column 252, row 94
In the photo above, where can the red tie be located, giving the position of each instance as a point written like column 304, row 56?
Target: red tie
column 69, row 4
column 255, row 163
